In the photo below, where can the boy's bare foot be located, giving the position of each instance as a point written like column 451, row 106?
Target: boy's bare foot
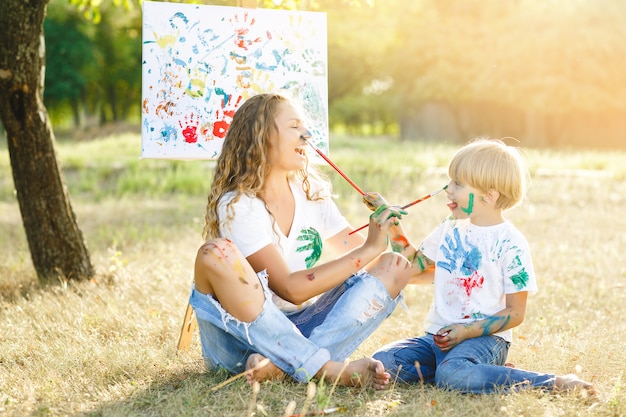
column 366, row 372
column 259, row 369
column 571, row 382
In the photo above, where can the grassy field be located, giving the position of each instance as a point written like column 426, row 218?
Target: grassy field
column 107, row 347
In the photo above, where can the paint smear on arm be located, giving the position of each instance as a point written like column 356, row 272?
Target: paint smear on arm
column 399, row 243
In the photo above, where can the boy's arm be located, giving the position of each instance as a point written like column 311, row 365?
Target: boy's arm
column 511, row 316
column 421, row 267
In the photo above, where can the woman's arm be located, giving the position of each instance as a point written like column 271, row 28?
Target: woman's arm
column 344, row 242
column 511, row 316
column 297, row 287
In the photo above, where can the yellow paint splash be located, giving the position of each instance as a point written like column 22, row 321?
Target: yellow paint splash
column 238, row 267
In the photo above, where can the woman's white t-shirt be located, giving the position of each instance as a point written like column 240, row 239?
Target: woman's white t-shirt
column 250, row 227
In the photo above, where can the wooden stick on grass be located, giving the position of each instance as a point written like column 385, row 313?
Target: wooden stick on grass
column 260, row 365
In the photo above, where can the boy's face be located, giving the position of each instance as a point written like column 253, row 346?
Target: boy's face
column 469, row 202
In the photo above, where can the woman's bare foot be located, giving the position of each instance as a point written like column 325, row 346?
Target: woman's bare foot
column 571, row 382
column 366, row 372
column 259, row 369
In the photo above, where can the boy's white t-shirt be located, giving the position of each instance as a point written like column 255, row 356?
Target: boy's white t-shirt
column 475, row 267
column 252, row 228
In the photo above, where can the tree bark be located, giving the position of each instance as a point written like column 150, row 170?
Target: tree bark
column 56, row 243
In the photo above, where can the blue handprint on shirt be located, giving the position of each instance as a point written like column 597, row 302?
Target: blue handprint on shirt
column 315, row 245
column 454, row 252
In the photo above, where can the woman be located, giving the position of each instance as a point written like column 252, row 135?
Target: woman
column 259, row 288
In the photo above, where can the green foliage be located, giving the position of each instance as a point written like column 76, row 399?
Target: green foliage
column 91, row 9
column 70, row 61
column 69, row 55
column 93, row 66
column 120, row 83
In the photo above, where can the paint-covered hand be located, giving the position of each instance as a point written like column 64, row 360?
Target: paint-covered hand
column 449, row 336
column 374, row 200
column 385, row 216
column 380, row 221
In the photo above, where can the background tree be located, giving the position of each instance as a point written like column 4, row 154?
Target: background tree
column 56, row 243
column 70, row 61
column 94, row 66
column 120, row 80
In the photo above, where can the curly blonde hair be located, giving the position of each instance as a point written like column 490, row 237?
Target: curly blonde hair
column 243, row 163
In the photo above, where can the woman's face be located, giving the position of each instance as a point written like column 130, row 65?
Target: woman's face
column 288, row 149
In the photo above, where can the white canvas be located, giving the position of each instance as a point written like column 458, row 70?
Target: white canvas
column 200, row 63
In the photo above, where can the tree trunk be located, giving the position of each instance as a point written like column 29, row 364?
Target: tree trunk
column 56, row 243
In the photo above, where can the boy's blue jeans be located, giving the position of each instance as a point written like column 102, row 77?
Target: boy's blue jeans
column 300, row 342
column 474, row 366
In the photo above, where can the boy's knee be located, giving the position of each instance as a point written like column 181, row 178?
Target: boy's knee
column 386, row 358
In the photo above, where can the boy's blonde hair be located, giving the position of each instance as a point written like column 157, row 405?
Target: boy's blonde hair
column 489, row 164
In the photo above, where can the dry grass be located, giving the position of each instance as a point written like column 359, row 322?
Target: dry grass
column 107, row 347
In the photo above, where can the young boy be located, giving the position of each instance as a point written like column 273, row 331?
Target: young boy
column 482, row 272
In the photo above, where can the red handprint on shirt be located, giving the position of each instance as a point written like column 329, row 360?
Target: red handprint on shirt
column 224, row 116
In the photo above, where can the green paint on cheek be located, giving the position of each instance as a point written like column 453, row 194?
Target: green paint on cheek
column 470, row 206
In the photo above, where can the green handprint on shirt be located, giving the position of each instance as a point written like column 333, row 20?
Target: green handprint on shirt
column 314, row 244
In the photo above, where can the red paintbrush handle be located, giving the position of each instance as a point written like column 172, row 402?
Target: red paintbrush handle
column 356, row 187
column 419, row 200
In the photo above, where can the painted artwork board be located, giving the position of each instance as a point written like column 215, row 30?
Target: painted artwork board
column 200, row 63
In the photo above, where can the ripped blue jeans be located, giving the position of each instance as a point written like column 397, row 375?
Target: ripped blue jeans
column 474, row 366
column 299, row 342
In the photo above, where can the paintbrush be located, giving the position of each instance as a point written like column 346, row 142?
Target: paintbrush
column 259, row 365
column 412, row 203
column 332, row 164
